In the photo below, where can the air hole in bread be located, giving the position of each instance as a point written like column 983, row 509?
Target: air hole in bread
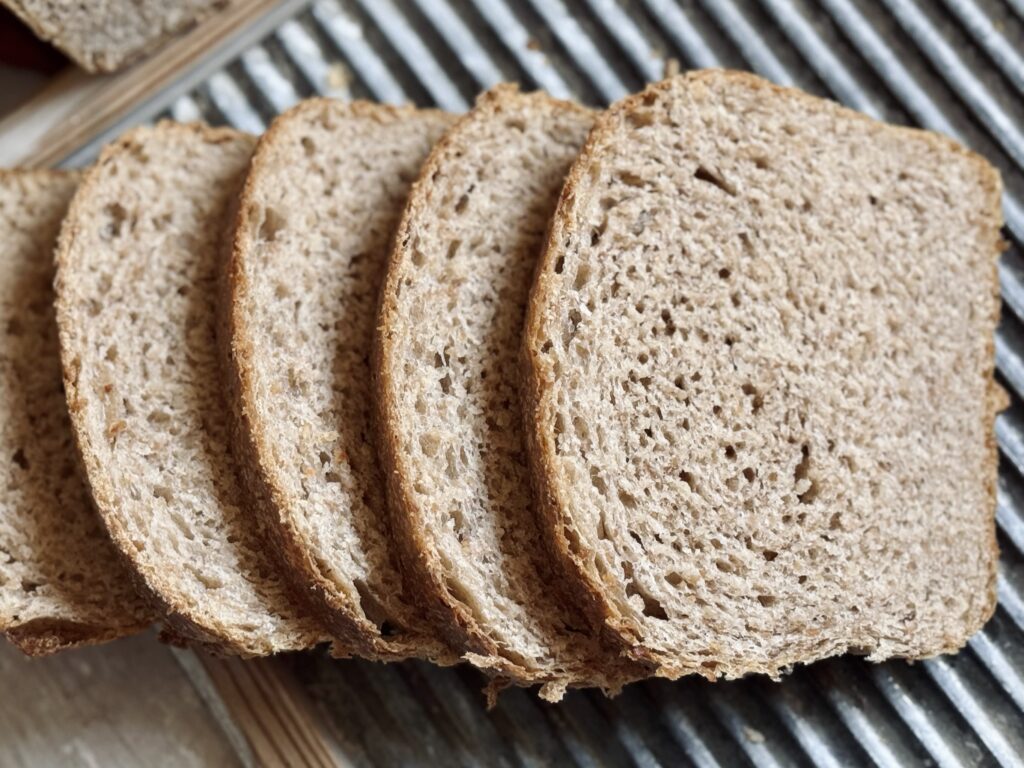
column 308, row 146
column 429, row 443
column 688, row 478
column 116, row 215
column 463, row 203
column 766, row 600
column 703, row 174
column 453, row 248
column 805, row 487
column 631, row 179
column 20, row 459
column 271, row 224
column 582, row 276
column 158, row 417
column 756, row 401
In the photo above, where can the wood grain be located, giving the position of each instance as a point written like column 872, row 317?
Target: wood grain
column 126, row 703
column 270, row 718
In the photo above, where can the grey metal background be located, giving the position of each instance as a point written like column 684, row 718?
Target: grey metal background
column 955, row 66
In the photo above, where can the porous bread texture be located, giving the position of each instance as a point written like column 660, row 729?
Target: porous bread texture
column 327, row 185
column 104, row 35
column 450, row 322
column 138, row 267
column 62, row 583
column 758, row 362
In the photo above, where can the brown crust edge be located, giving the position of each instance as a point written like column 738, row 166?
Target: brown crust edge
column 354, row 633
column 181, row 623
column 555, row 509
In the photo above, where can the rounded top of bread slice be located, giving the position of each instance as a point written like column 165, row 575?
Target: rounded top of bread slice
column 759, row 372
column 138, row 267
column 327, row 185
column 451, row 318
column 62, row 582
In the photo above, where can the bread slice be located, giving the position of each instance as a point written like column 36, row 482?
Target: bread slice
column 62, row 582
column 138, row 267
column 759, row 357
column 450, row 322
column 326, row 188
column 103, row 39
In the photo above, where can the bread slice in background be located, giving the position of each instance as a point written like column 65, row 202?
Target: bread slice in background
column 138, row 267
column 759, row 360
column 449, row 328
column 62, row 582
column 103, row 38
column 327, row 185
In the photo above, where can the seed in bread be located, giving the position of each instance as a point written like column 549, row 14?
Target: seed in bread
column 759, row 381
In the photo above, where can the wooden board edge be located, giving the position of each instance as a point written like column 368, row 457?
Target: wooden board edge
column 266, row 716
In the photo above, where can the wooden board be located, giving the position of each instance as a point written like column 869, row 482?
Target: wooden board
column 126, row 703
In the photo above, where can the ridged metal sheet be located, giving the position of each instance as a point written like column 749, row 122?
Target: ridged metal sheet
column 955, row 66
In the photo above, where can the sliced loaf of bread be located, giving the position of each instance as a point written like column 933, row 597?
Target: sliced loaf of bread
column 138, row 268
column 759, row 358
column 62, row 582
column 450, row 322
column 102, row 37
column 327, row 185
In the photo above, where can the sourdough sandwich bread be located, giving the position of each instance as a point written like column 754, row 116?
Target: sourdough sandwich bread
column 327, row 185
column 61, row 580
column 449, row 329
column 759, row 389
column 138, row 268
column 106, row 35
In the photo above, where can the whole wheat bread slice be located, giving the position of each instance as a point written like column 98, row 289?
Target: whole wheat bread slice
column 327, row 185
column 137, row 281
column 450, row 322
column 62, row 583
column 759, row 358
column 104, row 36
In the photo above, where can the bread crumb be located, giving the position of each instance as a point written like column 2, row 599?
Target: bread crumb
column 753, row 735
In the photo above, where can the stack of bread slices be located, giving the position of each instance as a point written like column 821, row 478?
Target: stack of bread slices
column 699, row 384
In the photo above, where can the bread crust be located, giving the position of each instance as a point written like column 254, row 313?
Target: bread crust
column 181, row 625
column 353, row 632
column 556, row 507
column 419, row 555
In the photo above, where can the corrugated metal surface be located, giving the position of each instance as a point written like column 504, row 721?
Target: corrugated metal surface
column 955, row 66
